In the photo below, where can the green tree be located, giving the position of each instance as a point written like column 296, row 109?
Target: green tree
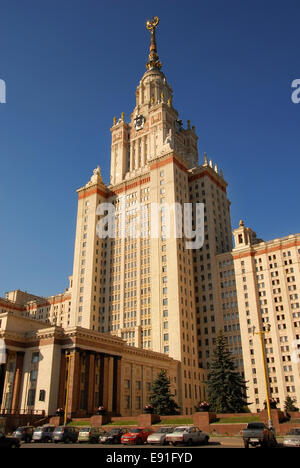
column 161, row 397
column 226, row 388
column 289, row 405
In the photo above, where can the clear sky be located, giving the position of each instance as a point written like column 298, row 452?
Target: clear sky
column 71, row 65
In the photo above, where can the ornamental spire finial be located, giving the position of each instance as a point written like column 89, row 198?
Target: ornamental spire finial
column 153, row 61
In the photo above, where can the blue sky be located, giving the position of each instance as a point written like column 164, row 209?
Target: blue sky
column 71, row 65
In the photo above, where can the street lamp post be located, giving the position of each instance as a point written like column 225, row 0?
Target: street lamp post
column 68, row 358
column 261, row 334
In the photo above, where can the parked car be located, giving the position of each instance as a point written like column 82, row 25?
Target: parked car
column 292, row 439
column 258, row 434
column 9, row 442
column 65, row 434
column 159, row 437
column 43, row 434
column 89, row 434
column 188, row 435
column 136, row 436
column 24, row 433
column 112, row 437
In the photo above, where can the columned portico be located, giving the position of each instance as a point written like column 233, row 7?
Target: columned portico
column 90, row 387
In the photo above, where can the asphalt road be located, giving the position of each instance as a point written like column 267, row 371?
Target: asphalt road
column 215, row 442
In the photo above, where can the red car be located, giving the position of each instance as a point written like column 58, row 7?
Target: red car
column 136, row 436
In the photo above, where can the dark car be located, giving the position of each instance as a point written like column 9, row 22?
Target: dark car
column 258, row 434
column 112, row 437
column 9, row 442
column 65, row 434
column 43, row 434
column 24, row 433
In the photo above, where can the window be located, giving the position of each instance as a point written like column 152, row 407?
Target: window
column 42, row 396
column 35, row 358
column 31, row 397
column 33, row 375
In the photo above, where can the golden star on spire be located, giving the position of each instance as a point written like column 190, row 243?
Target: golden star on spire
column 153, row 61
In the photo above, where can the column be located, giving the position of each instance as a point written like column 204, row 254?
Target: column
column 101, row 380
column 136, row 162
column 74, row 383
column 91, row 388
column 62, row 382
column 17, row 382
column 131, row 157
column 110, row 383
column 116, row 406
column 105, row 381
column 86, row 358
column 2, row 380
column 143, row 151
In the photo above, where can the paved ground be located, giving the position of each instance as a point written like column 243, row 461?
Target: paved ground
column 215, row 442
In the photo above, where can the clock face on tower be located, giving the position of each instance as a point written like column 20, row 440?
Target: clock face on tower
column 139, row 121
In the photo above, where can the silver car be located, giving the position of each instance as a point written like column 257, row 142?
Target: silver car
column 159, row 437
column 292, row 439
column 187, row 435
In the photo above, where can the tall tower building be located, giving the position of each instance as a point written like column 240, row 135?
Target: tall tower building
column 149, row 289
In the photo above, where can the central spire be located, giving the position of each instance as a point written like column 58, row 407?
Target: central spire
column 153, row 61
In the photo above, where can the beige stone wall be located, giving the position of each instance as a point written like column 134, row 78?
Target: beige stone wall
column 268, row 278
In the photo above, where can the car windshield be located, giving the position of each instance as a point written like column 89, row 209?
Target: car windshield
column 59, row 429
column 180, row 429
column 255, row 426
column 39, row 429
column 135, row 431
column 85, row 429
column 114, row 431
column 165, row 430
column 19, row 429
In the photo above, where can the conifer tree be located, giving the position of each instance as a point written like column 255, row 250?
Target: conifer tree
column 226, row 388
column 161, row 397
column 289, row 405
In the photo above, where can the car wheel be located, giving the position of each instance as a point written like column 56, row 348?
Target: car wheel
column 67, row 440
column 205, row 442
column 173, row 443
column 14, row 446
column 246, row 444
column 190, row 442
column 139, row 441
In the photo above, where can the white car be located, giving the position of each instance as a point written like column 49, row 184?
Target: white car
column 159, row 437
column 187, row 435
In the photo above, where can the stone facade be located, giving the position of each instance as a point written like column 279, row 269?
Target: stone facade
column 102, row 369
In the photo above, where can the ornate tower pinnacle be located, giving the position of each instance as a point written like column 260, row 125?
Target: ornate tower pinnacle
column 153, row 61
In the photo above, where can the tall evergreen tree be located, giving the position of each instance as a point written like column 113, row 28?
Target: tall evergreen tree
column 161, row 397
column 226, row 387
column 289, row 405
